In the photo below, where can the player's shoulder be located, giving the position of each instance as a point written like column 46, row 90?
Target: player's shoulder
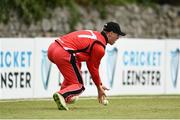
column 98, row 47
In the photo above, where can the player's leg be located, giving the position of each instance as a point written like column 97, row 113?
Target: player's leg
column 57, row 54
column 72, row 85
column 70, row 88
column 51, row 51
column 71, row 92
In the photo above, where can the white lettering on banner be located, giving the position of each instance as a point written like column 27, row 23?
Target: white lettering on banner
column 15, row 59
column 141, row 58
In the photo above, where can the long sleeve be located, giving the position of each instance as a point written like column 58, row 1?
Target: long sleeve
column 93, row 63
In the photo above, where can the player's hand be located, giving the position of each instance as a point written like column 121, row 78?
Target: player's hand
column 101, row 93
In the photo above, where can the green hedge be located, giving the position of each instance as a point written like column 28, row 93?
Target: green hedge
column 28, row 10
column 34, row 10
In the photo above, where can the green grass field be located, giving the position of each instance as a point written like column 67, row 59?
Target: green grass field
column 121, row 107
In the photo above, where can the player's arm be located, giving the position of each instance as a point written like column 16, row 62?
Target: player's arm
column 93, row 65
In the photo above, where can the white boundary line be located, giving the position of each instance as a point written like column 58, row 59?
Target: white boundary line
column 90, row 98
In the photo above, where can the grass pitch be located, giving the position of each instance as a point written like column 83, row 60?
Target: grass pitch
column 122, row 107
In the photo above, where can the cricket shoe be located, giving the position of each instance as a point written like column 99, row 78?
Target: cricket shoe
column 59, row 99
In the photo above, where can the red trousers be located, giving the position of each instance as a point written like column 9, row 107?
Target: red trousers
column 72, row 84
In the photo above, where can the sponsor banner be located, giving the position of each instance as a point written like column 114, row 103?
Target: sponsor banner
column 16, row 68
column 172, row 66
column 131, row 66
column 136, row 66
column 90, row 88
column 0, row 71
column 47, row 76
column 108, row 69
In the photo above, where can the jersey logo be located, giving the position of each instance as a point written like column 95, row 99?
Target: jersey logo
column 92, row 36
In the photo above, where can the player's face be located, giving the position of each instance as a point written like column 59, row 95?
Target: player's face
column 112, row 37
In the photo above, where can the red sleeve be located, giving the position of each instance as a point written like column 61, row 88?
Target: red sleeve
column 93, row 63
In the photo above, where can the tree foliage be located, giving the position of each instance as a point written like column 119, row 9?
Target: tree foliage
column 34, row 10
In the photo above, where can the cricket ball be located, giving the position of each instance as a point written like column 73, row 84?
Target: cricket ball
column 105, row 102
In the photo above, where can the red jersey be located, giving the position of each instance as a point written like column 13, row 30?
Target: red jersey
column 90, row 46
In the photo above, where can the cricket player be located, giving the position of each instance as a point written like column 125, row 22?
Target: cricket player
column 68, row 51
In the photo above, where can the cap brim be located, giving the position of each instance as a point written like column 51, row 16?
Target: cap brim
column 122, row 34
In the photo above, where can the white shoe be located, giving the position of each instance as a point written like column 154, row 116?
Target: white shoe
column 59, row 99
